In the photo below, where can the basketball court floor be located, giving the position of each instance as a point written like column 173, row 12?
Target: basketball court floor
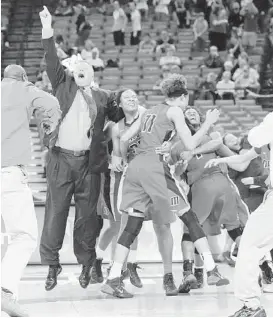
column 69, row 299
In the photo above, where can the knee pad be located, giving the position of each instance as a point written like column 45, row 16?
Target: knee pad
column 131, row 231
column 195, row 229
column 186, row 237
column 235, row 233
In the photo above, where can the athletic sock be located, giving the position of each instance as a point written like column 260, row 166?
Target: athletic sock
column 115, row 270
column 100, row 253
column 132, row 256
column 203, row 248
column 209, row 263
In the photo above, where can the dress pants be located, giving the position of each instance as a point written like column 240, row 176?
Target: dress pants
column 68, row 175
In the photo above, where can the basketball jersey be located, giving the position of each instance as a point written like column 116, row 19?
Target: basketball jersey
column 196, row 167
column 134, row 141
column 155, row 125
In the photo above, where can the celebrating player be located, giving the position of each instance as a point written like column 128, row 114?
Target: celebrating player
column 148, row 179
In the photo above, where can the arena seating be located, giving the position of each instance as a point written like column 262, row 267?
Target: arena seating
column 139, row 71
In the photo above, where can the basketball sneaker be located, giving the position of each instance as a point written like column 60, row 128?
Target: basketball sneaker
column 96, row 272
column 267, row 274
column 215, row 278
column 9, row 304
column 169, row 286
column 199, row 275
column 249, row 312
column 115, row 287
column 189, row 280
column 134, row 278
column 268, row 288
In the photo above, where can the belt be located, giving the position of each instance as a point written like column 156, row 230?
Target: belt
column 71, row 152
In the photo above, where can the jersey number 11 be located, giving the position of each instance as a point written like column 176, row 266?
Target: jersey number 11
column 148, row 123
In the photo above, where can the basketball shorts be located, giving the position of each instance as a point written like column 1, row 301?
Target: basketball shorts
column 149, row 185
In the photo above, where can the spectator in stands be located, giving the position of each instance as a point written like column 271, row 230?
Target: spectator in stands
column 120, row 22
column 43, row 81
column 59, row 43
column 218, row 26
column 136, row 24
column 213, row 60
column 248, row 80
column 181, row 13
column 4, row 34
column 169, row 59
column 165, row 38
column 147, row 45
column 64, row 9
column 84, row 28
column 206, row 89
column 161, row 9
column 267, row 58
column 263, row 7
column 198, row 6
column 240, row 71
column 88, row 49
column 164, row 42
column 235, row 20
column 250, row 14
column 226, row 87
column 143, row 8
column 228, row 66
column 235, row 46
column 200, row 27
column 165, row 73
column 91, row 54
column 175, row 69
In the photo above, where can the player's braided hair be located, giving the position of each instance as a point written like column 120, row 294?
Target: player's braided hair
column 174, row 85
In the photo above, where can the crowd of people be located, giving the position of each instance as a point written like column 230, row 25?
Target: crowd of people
column 226, row 30
column 128, row 164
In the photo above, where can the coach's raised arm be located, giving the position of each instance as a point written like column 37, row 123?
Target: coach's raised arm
column 54, row 68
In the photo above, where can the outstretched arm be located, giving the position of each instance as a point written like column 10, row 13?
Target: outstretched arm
column 54, row 68
column 46, row 108
column 234, row 160
column 175, row 114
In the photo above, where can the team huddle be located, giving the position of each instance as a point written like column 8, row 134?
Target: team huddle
column 164, row 165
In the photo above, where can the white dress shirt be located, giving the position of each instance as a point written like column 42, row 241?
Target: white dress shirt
column 74, row 127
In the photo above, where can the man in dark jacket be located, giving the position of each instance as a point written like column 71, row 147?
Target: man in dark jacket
column 77, row 157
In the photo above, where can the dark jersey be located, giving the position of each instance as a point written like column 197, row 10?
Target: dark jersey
column 196, row 167
column 155, row 125
column 133, row 142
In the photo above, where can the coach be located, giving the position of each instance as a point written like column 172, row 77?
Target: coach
column 74, row 163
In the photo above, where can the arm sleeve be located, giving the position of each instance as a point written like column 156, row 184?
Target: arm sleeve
column 54, row 68
column 45, row 106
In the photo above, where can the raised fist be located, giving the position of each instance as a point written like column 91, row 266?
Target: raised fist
column 212, row 116
column 46, row 18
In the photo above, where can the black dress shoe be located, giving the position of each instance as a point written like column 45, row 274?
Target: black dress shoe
column 85, row 276
column 51, row 280
column 96, row 272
